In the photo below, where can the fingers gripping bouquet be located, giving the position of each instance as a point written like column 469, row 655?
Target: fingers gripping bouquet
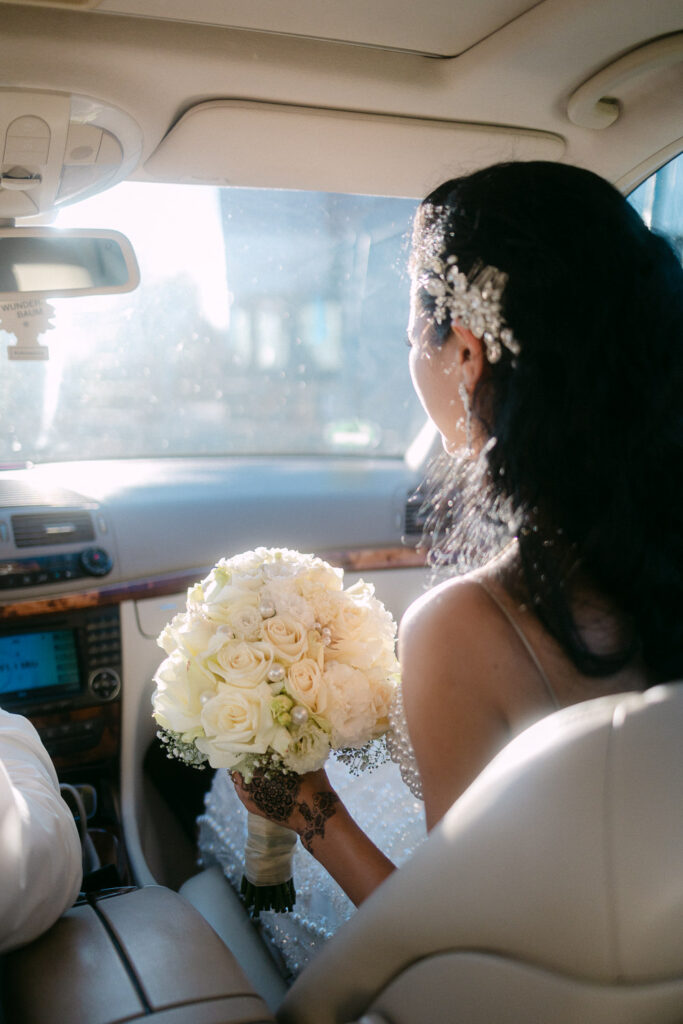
column 272, row 666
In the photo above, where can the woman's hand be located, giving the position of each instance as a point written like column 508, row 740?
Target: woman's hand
column 303, row 803
column 310, row 807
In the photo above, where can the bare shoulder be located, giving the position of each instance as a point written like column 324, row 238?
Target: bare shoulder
column 455, row 659
column 453, row 626
column 440, row 604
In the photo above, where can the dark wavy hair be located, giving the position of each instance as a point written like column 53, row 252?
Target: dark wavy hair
column 585, row 462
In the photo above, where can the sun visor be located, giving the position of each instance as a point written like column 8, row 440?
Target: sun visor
column 269, row 145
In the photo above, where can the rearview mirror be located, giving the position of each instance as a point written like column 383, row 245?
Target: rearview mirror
column 69, row 262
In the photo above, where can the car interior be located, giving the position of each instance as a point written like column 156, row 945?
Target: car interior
column 205, row 212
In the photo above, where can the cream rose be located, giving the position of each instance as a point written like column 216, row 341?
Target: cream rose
column 245, row 621
column 354, row 641
column 230, row 602
column 382, row 691
column 319, row 578
column 190, row 633
column 180, row 684
column 241, row 663
column 238, row 722
column 364, row 594
column 363, row 632
column 304, row 683
column 288, row 638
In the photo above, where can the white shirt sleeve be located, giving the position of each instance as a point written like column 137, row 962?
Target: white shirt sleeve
column 40, row 852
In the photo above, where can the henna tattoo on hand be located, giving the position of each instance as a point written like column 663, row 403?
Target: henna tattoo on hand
column 324, row 806
column 275, row 796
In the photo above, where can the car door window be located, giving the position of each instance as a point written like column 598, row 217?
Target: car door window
column 659, row 201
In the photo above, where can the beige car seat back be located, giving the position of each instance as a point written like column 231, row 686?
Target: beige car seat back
column 551, row 891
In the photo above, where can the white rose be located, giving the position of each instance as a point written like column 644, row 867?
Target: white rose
column 349, row 705
column 265, row 561
column 382, row 691
column 353, row 639
column 195, row 597
column 382, row 621
column 378, row 619
column 241, row 663
column 358, row 653
column 288, row 638
column 230, row 602
column 189, row 632
column 363, row 632
column 245, row 621
column 238, row 722
column 304, row 684
column 180, row 684
column 167, row 639
column 321, row 577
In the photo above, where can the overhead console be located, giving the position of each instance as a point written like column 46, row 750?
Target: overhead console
column 55, row 148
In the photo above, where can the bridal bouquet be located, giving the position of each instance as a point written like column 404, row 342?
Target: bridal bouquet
column 272, row 666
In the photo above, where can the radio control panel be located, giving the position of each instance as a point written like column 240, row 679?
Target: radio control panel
column 54, row 568
column 62, row 661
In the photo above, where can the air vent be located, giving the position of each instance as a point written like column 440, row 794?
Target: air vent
column 14, row 493
column 50, row 528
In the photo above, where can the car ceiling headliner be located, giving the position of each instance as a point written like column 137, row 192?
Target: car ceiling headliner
column 520, row 64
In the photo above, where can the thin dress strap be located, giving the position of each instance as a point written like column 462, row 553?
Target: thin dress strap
column 520, row 633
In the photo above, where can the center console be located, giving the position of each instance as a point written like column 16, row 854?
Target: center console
column 63, row 671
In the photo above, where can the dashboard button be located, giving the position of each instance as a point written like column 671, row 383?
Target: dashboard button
column 96, row 561
column 105, row 683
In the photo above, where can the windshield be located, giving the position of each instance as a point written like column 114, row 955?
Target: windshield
column 266, row 322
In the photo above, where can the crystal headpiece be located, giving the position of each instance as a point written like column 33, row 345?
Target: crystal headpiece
column 474, row 300
column 473, row 303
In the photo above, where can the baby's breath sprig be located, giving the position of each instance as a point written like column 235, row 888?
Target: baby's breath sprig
column 178, row 749
column 365, row 759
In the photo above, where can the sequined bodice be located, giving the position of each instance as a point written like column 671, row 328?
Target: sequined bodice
column 400, row 747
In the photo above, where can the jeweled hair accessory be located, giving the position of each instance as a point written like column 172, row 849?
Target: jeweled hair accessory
column 473, row 301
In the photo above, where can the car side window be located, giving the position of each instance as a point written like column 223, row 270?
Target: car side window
column 659, row 201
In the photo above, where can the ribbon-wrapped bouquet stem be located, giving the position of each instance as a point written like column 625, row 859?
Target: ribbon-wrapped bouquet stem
column 272, row 666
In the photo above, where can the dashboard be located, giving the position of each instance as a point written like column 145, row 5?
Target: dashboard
column 96, row 557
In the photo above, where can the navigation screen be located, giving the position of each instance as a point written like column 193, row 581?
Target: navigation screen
column 38, row 661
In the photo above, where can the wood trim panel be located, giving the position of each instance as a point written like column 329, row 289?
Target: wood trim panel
column 349, row 559
column 72, row 750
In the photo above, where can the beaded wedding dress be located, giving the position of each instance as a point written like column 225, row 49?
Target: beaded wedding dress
column 386, row 804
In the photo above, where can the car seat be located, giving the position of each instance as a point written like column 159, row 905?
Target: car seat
column 552, row 889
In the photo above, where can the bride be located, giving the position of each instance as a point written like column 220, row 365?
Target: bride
column 545, row 344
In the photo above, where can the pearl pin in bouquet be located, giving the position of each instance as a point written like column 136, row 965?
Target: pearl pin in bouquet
column 272, row 666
